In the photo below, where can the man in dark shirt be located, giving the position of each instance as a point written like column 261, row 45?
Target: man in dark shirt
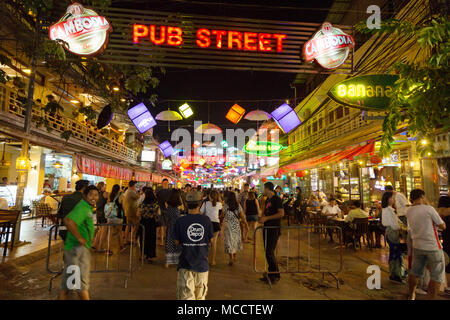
column 163, row 196
column 273, row 213
column 69, row 202
column 194, row 233
column 444, row 212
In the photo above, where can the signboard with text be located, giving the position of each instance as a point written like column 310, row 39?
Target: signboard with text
column 367, row 92
column 204, row 42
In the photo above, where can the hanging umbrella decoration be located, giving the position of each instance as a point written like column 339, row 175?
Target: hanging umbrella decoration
column 257, row 115
column 169, row 115
column 208, row 128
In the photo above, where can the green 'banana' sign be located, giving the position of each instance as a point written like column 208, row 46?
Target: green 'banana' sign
column 263, row 148
column 368, row 92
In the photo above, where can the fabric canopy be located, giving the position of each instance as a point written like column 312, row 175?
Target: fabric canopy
column 348, row 154
column 101, row 169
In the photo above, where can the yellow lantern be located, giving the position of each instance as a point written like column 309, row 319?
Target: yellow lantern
column 235, row 113
column 23, row 163
column 186, row 110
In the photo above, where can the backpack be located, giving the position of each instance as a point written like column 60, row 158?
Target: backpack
column 112, row 209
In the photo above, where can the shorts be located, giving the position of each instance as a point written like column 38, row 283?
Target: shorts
column 252, row 217
column 192, row 285
column 433, row 259
column 77, row 268
column 216, row 226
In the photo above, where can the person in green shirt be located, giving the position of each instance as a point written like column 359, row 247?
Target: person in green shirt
column 77, row 257
column 355, row 212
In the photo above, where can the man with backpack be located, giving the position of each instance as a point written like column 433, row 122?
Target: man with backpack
column 69, row 202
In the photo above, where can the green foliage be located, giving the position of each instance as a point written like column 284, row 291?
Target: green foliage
column 93, row 77
column 53, row 107
column 421, row 96
column 4, row 61
column 66, row 134
column 88, row 111
column 42, row 122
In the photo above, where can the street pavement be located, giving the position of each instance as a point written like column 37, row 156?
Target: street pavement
column 237, row 282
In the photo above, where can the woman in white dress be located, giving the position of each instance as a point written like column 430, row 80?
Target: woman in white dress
column 232, row 229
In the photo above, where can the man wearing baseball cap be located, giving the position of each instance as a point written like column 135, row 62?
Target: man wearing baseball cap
column 194, row 233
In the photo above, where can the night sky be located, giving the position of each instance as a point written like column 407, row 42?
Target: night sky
column 236, row 86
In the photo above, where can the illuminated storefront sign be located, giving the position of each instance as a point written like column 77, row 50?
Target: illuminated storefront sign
column 263, row 148
column 330, row 47
column 205, row 38
column 371, row 92
column 83, row 31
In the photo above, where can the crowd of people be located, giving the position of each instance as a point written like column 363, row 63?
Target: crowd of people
column 188, row 222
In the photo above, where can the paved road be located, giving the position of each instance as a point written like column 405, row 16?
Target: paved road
column 225, row 282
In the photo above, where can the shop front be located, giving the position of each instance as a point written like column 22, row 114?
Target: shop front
column 97, row 171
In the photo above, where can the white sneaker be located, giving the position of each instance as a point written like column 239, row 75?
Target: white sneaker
column 421, row 291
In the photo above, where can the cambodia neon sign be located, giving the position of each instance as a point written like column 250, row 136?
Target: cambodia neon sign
column 210, row 38
column 370, row 92
column 263, row 148
column 83, row 31
column 330, row 47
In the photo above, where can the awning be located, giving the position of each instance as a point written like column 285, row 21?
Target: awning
column 98, row 168
column 348, row 154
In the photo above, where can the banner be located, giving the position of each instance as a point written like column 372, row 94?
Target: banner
column 101, row 169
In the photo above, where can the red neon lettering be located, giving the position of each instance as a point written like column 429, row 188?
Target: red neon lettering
column 219, row 34
column 203, row 39
column 250, row 41
column 139, row 31
column 264, row 44
column 162, row 34
column 279, row 38
column 234, row 37
column 174, row 36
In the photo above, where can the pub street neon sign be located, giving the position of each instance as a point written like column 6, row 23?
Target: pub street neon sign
column 329, row 47
column 83, row 31
column 367, row 92
column 263, row 148
column 210, row 38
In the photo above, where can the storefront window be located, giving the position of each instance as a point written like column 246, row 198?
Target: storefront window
column 58, row 171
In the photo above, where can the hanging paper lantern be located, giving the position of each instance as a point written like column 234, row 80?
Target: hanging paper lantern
column 299, row 174
column 186, row 110
column 141, row 118
column 375, row 159
column 166, row 149
column 235, row 113
column 286, row 118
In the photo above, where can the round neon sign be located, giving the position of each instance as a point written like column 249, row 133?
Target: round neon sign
column 83, row 31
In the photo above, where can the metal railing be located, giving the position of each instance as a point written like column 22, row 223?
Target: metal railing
column 133, row 261
column 10, row 103
column 302, row 250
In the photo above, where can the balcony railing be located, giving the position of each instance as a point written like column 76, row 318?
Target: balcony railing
column 10, row 103
column 341, row 128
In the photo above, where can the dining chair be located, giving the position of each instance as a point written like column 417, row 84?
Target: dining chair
column 8, row 224
column 361, row 230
